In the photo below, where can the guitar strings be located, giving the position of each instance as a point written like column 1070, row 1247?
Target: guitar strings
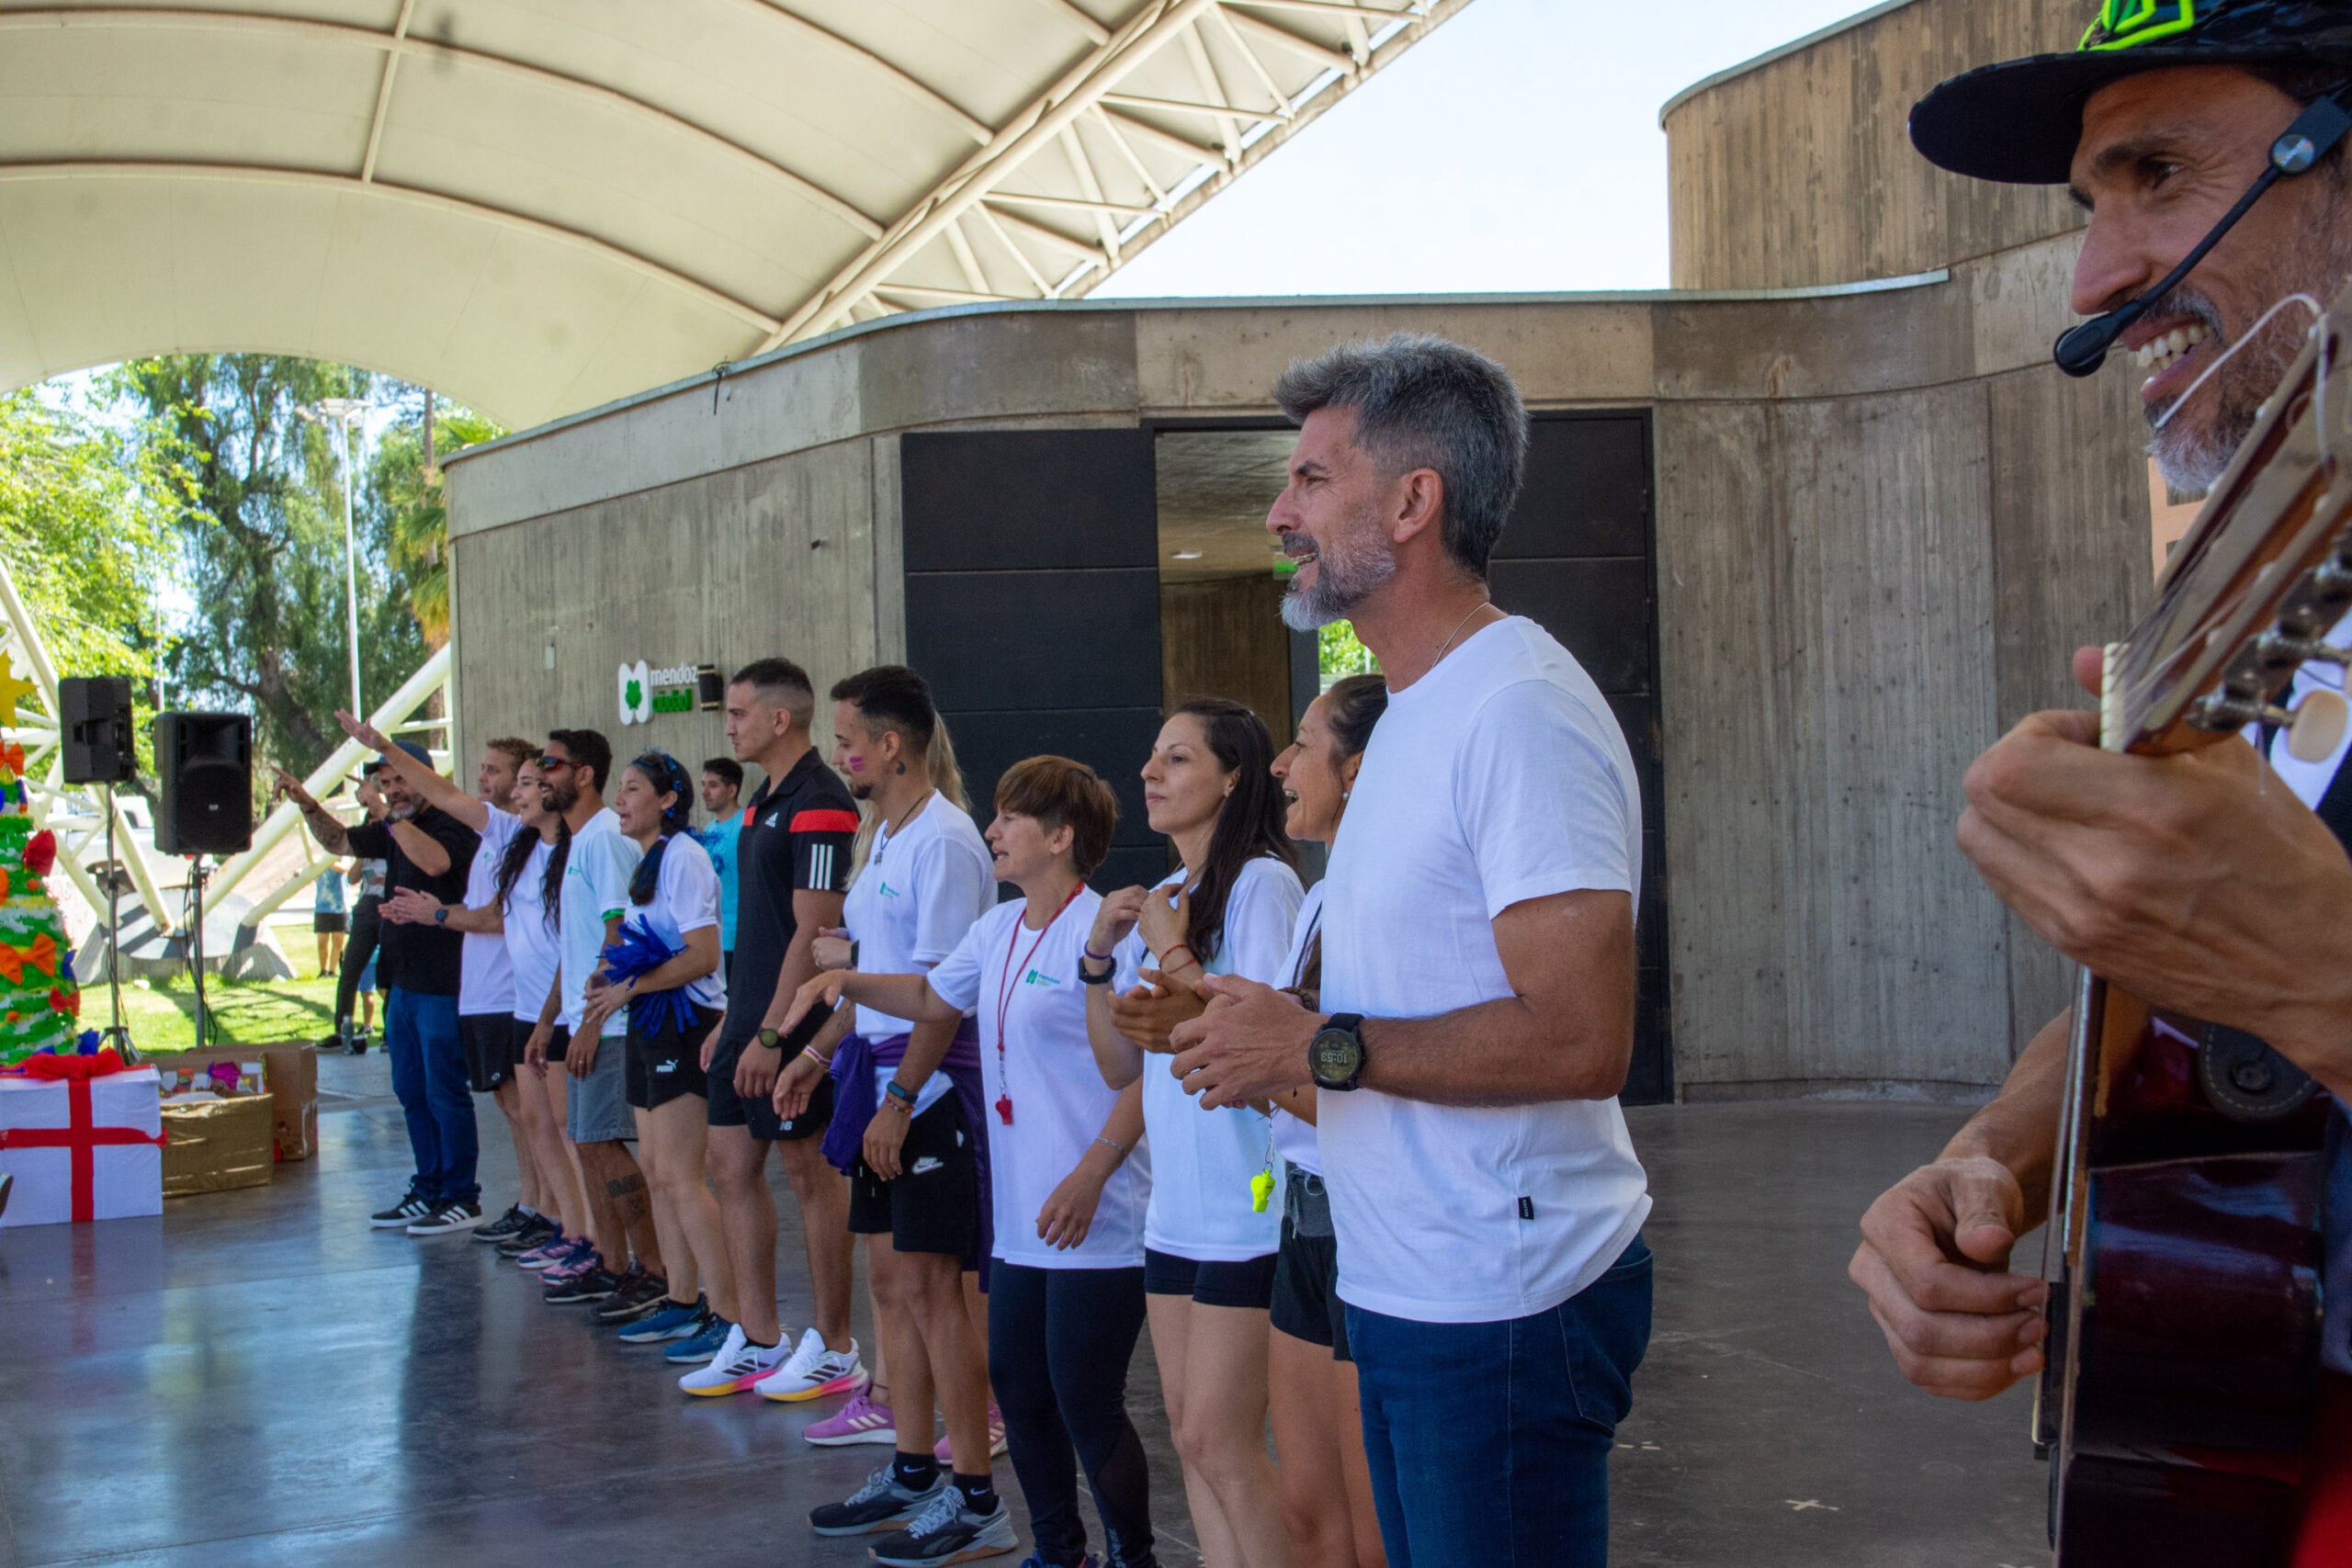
column 2318, row 313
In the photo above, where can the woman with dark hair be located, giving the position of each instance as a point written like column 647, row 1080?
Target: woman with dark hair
column 528, row 883
column 1211, row 1234
column 664, row 967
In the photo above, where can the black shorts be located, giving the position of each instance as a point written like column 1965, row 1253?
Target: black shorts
column 728, row 1108
column 329, row 924
column 559, row 1042
column 492, row 1051
column 933, row 1204
column 1248, row 1283
column 666, row 1063
column 1307, row 1303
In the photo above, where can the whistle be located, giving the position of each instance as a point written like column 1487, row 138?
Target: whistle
column 1004, row 1108
column 1261, row 1188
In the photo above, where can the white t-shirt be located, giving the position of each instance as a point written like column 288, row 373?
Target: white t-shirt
column 685, row 898
column 1498, row 777
column 533, row 948
column 919, row 893
column 1294, row 1139
column 1046, row 1068
column 485, row 977
column 595, row 883
column 1203, row 1161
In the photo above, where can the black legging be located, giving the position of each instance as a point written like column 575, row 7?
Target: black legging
column 1059, row 1342
column 366, row 926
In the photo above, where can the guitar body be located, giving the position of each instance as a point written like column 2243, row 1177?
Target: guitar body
column 2184, row 1324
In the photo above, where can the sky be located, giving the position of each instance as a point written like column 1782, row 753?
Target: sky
column 1514, row 149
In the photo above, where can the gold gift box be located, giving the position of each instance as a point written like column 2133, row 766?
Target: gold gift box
column 214, row 1143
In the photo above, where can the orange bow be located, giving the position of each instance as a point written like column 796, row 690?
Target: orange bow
column 40, row 954
column 12, row 757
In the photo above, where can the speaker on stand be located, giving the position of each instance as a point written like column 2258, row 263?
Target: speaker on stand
column 95, row 726
column 204, row 768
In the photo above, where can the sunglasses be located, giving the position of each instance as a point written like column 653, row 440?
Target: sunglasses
column 547, row 764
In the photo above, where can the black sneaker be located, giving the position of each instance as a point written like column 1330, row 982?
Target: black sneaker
column 881, row 1504
column 639, row 1293
column 400, row 1216
column 946, row 1531
column 506, row 1224
column 537, row 1232
column 448, row 1219
column 595, row 1285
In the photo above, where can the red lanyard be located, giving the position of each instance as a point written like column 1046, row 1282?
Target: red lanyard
column 1004, row 996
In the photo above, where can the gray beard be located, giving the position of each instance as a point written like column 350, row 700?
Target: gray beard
column 1343, row 579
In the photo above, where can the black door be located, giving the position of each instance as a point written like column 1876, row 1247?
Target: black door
column 1032, row 608
column 1577, row 557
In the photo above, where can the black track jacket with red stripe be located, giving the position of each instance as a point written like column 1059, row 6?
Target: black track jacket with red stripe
column 797, row 834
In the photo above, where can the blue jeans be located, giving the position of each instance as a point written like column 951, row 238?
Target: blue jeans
column 1490, row 1441
column 429, row 1077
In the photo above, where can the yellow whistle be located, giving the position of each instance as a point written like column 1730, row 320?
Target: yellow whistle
column 1261, row 1188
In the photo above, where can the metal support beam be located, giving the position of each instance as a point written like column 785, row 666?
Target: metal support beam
column 384, row 92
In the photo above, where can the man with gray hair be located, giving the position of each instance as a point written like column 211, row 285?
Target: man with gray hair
column 1478, row 966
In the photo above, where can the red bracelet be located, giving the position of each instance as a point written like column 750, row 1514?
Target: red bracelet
column 1185, row 947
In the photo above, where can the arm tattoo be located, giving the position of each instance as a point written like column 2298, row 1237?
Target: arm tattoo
column 332, row 835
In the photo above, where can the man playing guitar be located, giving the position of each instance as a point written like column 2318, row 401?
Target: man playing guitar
column 2198, row 881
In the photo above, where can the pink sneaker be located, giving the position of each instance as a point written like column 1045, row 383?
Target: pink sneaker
column 583, row 1261
column 563, row 1249
column 996, row 1437
column 859, row 1421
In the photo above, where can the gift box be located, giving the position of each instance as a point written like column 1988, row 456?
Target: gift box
column 217, row 1142
column 289, row 1071
column 81, row 1148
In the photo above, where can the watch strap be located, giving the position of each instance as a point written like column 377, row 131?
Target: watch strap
column 899, row 1092
column 768, row 1038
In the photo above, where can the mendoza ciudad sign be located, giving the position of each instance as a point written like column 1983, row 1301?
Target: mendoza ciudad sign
column 677, row 688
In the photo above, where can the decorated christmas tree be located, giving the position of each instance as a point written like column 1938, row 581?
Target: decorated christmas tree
column 39, row 1003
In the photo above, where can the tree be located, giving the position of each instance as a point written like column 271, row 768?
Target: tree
column 262, row 544
column 416, row 518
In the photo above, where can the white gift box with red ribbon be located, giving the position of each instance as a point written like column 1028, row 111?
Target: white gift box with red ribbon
column 82, row 1149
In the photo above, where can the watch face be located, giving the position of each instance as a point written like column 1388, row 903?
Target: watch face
column 1335, row 1056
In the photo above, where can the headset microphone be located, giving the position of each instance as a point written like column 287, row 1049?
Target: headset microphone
column 2082, row 349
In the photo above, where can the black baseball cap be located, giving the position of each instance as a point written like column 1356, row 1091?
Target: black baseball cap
column 2018, row 121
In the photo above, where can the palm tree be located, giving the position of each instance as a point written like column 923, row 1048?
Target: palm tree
column 417, row 539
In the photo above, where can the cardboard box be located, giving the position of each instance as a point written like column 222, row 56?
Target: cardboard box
column 85, row 1150
column 216, row 1142
column 290, row 1070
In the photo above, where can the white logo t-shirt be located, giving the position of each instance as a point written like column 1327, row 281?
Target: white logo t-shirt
column 1498, row 777
column 532, row 945
column 685, row 898
column 915, row 900
column 485, row 976
column 595, row 883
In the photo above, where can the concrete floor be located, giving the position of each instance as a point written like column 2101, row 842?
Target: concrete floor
column 258, row 1379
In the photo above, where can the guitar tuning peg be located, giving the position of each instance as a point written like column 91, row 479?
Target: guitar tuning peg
column 2316, row 728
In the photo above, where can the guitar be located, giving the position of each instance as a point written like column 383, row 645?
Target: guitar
column 2183, row 1350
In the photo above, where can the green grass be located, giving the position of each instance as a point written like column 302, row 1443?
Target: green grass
column 160, row 1015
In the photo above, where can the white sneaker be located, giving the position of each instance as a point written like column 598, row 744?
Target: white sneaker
column 739, row 1365
column 814, row 1372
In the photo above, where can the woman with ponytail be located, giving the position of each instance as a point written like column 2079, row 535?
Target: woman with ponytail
column 664, row 967
column 528, row 882
column 1211, row 1233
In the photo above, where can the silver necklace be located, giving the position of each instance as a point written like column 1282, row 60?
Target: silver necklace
column 1481, row 604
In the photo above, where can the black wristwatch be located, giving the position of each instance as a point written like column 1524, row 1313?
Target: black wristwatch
column 441, row 916
column 772, row 1041
column 1335, row 1056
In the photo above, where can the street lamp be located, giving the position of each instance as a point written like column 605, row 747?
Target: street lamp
column 343, row 412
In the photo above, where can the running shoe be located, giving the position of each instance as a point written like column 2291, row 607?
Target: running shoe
column 531, row 1238
column 812, row 1372
column 400, row 1216
column 946, row 1531
column 737, row 1366
column 859, row 1421
column 511, row 1223
column 561, row 1253
column 641, row 1294
column 591, row 1284
column 881, row 1504
column 447, row 1219
column 709, row 1332
column 578, row 1260
column 674, row 1320
column 996, row 1437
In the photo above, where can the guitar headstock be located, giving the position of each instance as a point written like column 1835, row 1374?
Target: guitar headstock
column 2262, row 575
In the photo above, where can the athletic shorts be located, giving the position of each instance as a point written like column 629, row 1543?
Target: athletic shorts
column 1307, row 1303
column 492, row 1051
column 666, row 1065
column 558, row 1040
column 728, row 1108
column 1248, row 1283
column 933, row 1204
column 329, row 924
column 596, row 1111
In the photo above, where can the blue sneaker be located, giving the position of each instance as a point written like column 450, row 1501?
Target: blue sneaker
column 676, row 1321
column 709, row 1332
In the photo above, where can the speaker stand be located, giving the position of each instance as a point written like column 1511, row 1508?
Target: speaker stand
column 195, row 949
column 116, row 1035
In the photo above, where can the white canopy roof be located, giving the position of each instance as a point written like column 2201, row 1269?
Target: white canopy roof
column 535, row 205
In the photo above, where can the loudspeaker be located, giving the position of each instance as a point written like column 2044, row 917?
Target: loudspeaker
column 96, row 727
column 204, row 775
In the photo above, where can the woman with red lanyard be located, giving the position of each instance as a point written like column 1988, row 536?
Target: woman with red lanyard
column 1069, row 1188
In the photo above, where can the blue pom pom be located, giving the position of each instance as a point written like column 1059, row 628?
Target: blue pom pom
column 88, row 1044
